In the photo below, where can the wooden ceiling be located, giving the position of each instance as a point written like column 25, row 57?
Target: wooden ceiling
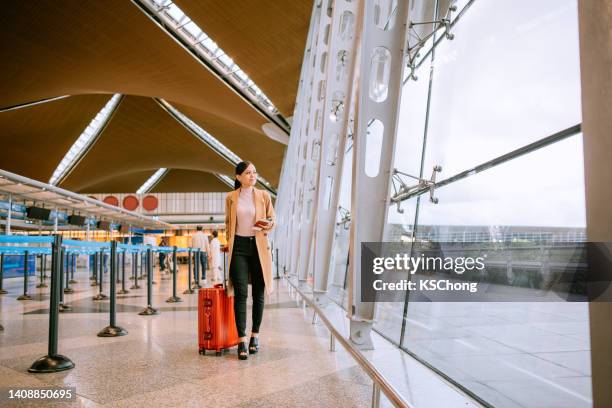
column 97, row 48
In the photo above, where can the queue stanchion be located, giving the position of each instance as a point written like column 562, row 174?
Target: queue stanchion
column 112, row 330
column 151, row 262
column 44, row 262
column 53, row 362
column 25, row 295
column 100, row 295
column 142, row 265
column 67, row 288
column 2, row 291
column 174, row 298
column 149, row 310
column 135, row 270
column 62, row 307
column 123, row 290
column 94, row 269
column 117, row 268
column 73, row 267
column 42, row 283
column 196, row 270
column 189, row 290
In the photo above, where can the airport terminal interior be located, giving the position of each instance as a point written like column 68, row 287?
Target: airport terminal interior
column 454, row 130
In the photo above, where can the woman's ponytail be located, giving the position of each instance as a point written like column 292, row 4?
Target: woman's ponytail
column 240, row 168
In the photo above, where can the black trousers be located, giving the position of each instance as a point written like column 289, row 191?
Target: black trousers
column 245, row 267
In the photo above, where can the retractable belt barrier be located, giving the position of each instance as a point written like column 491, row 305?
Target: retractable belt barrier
column 64, row 255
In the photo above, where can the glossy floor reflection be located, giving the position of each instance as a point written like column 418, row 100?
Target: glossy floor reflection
column 157, row 364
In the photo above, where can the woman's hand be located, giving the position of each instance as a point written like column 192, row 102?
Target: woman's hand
column 268, row 227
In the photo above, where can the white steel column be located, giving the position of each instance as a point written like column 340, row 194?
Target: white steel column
column 312, row 147
column 380, row 81
column 342, row 58
column 288, row 188
column 300, row 182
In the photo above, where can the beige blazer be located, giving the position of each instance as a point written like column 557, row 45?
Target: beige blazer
column 263, row 209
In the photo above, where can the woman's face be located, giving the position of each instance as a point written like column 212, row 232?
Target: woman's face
column 249, row 177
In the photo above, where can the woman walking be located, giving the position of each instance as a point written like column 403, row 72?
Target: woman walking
column 249, row 251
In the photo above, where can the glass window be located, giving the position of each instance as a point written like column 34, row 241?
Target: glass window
column 510, row 77
column 510, row 351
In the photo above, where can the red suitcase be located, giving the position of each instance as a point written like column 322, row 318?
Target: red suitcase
column 216, row 322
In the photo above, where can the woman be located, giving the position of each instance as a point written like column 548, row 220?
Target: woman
column 248, row 251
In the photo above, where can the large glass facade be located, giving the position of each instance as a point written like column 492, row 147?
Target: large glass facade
column 489, row 108
column 508, row 79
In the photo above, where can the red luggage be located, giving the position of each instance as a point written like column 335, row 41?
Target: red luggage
column 216, row 322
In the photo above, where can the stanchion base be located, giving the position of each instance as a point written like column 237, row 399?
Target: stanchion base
column 135, row 287
column 153, row 283
column 123, row 291
column 51, row 364
column 72, row 281
column 3, row 292
column 165, row 278
column 68, row 290
column 64, row 308
column 100, row 296
column 112, row 331
column 174, row 299
column 148, row 311
column 94, row 284
column 24, row 297
column 42, row 285
column 141, row 277
column 188, row 292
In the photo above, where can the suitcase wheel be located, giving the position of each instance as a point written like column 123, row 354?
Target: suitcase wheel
column 202, row 351
column 218, row 353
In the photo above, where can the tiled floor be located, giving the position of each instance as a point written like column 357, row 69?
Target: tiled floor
column 157, row 363
column 503, row 352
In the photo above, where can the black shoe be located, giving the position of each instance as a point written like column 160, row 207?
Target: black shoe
column 253, row 345
column 242, row 351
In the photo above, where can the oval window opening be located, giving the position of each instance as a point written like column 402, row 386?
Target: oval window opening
column 342, row 59
column 332, row 152
column 337, row 107
column 380, row 70
column 347, row 25
column 323, row 62
column 374, row 140
column 384, row 14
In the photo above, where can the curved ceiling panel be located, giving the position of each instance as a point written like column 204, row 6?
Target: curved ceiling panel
column 266, row 153
column 34, row 139
column 141, row 136
column 189, row 181
column 124, row 183
column 104, row 47
column 266, row 38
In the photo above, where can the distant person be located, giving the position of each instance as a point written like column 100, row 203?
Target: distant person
column 162, row 255
column 215, row 256
column 200, row 241
column 248, row 250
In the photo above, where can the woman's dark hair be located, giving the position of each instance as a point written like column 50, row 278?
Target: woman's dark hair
column 240, row 168
column 215, row 234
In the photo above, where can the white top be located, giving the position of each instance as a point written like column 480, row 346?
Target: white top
column 215, row 253
column 245, row 213
column 199, row 240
